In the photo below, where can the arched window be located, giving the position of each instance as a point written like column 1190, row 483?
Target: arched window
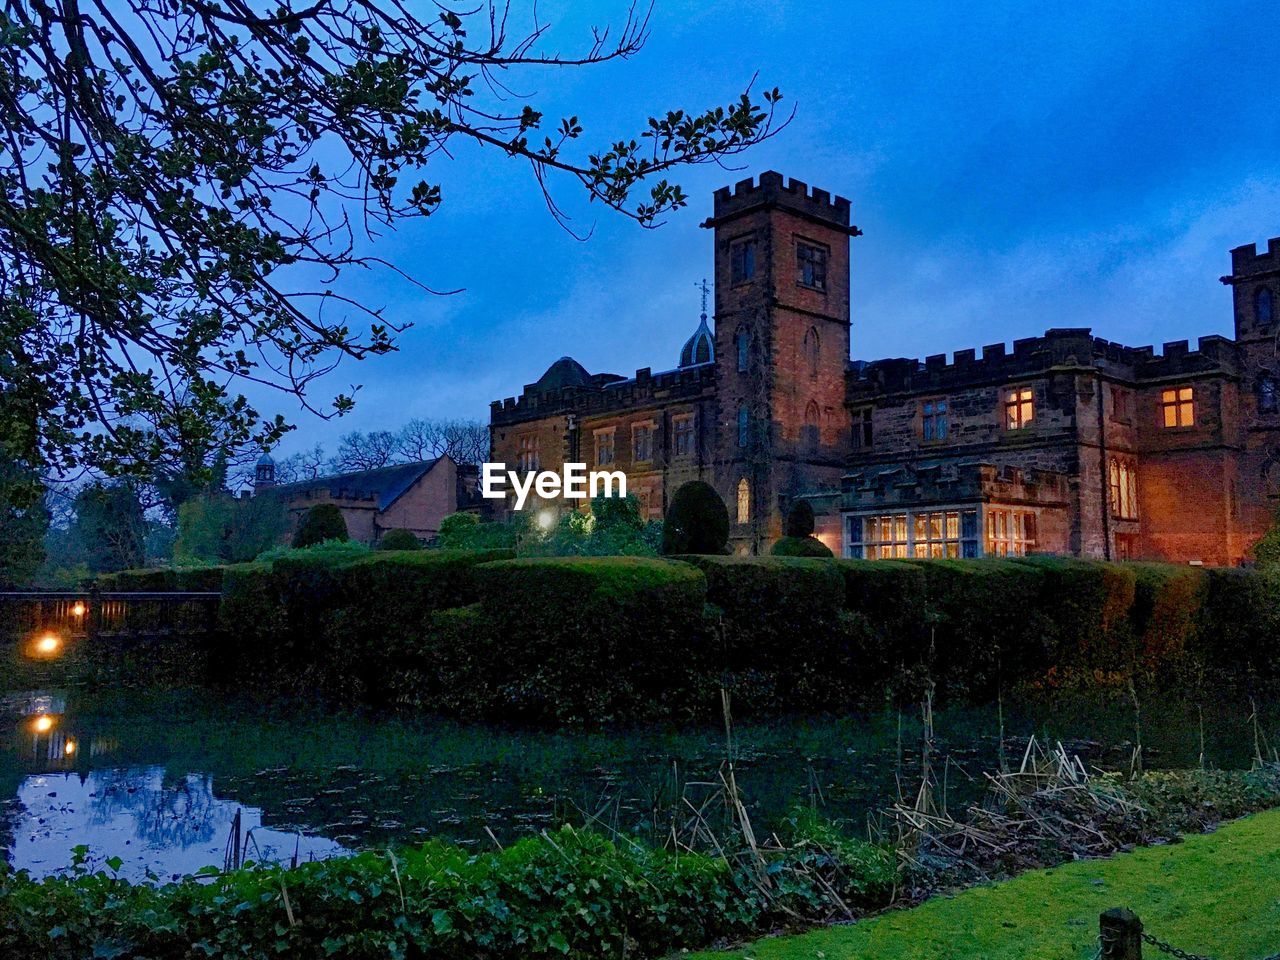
column 743, row 342
column 812, row 427
column 1264, row 306
column 744, row 425
column 1123, row 477
column 812, row 351
column 744, row 501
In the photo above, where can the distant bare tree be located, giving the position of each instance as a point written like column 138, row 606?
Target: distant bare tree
column 365, row 451
column 467, row 441
column 306, row 465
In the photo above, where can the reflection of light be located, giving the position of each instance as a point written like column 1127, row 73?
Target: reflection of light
column 70, row 748
column 47, row 644
column 43, row 723
column 546, row 519
column 77, row 608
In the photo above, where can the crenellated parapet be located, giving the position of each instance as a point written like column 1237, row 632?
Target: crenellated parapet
column 772, row 190
column 1069, row 347
column 1247, row 263
column 605, row 393
column 939, row 484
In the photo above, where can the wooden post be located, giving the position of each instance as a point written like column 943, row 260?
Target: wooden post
column 1121, row 933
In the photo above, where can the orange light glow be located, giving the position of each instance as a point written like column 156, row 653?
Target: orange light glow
column 47, row 645
column 70, row 748
column 43, row 723
column 77, row 608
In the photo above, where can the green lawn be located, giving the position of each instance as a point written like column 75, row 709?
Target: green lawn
column 1216, row 894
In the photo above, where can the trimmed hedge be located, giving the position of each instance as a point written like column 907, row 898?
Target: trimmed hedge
column 164, row 580
column 805, row 546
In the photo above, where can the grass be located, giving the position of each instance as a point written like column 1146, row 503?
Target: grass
column 1213, row 894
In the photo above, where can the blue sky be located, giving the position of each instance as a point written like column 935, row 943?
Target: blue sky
column 1090, row 165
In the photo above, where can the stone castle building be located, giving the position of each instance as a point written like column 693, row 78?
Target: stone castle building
column 1066, row 444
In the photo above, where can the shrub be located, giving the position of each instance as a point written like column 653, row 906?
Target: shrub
column 592, row 638
column 1238, row 628
column 697, row 521
column 322, row 522
column 800, row 519
column 892, row 598
column 784, row 641
column 465, row 531
column 1086, row 605
column 1166, row 608
column 163, row 580
column 399, row 540
column 800, row 547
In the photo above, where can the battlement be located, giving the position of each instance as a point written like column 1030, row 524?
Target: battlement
column 940, row 484
column 792, row 195
column 605, row 393
column 1247, row 262
column 1059, row 347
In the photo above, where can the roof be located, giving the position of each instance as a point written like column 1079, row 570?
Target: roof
column 265, row 459
column 565, row 372
column 385, row 484
column 700, row 348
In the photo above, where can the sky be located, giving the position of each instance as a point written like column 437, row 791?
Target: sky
column 1013, row 167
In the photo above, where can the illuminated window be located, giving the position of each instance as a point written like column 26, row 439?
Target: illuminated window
column 812, row 352
column 744, row 425
column 1178, row 407
column 742, row 261
column 527, row 460
column 934, row 533
column 933, row 419
column 1010, row 533
column 683, row 439
column 884, row 537
column 604, row 447
column 642, row 442
column 811, row 266
column 862, row 435
column 1124, row 489
column 1019, row 408
column 744, row 500
column 1264, row 306
column 937, row 534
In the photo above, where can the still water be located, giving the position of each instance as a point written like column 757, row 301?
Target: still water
column 154, row 786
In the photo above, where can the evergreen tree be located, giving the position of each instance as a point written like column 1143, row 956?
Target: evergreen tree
column 697, row 521
column 322, row 522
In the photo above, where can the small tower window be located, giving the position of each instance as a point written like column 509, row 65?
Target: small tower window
column 1264, row 306
column 811, row 266
column 744, row 501
column 812, row 351
column 743, row 342
column 742, row 261
column 744, row 425
column 933, row 420
column 1019, row 408
column 1266, row 393
column 812, row 427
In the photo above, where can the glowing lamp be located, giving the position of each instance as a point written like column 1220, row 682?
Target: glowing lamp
column 70, row 748
column 43, row 723
column 77, row 608
column 47, row 644
column 546, row 519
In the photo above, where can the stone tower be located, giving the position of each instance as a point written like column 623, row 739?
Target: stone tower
column 781, row 349
column 1255, row 288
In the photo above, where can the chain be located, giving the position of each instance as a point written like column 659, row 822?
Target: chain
column 1172, row 950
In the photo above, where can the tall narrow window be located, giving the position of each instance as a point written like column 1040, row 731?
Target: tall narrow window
column 1124, row 489
column 743, row 342
column 811, row 266
column 812, row 351
column 1178, row 407
column 744, row 501
column 1019, row 408
column 1010, row 533
column 1264, row 306
column 744, row 425
column 604, row 447
column 683, row 435
column 933, row 420
column 642, row 442
column 1266, row 393
column 862, row 432
column 742, row 261
column 812, row 427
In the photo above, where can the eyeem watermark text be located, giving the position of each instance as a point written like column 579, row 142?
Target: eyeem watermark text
column 574, row 483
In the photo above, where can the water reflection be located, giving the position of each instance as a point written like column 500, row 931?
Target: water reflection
column 150, row 824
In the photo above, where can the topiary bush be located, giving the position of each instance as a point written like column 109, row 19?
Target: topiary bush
column 696, row 522
column 322, row 522
column 800, row 519
column 399, row 540
column 800, row 547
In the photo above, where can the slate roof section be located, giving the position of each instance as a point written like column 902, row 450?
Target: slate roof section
column 385, row 485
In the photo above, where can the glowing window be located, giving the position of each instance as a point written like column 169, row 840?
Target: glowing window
column 1124, row 489
column 1019, row 408
column 1178, row 407
column 1010, row 533
column 744, row 500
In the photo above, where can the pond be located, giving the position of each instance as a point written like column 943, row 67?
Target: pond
column 161, row 785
